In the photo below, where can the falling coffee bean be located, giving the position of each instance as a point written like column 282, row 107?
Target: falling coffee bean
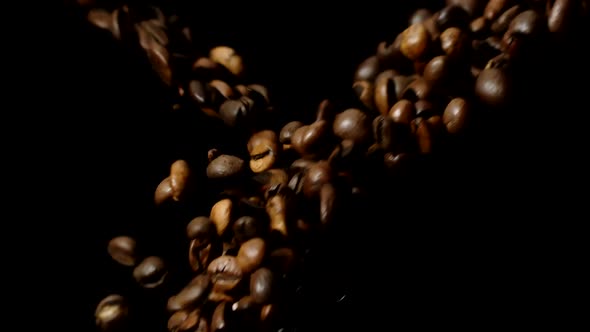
column 151, row 272
column 112, row 313
column 262, row 284
column 123, row 249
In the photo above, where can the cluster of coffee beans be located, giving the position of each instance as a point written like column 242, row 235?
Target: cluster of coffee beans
column 277, row 190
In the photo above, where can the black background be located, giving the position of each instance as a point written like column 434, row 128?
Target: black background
column 483, row 267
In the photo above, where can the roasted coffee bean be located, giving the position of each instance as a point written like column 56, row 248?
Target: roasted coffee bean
column 191, row 296
column 225, row 167
column 276, row 208
column 454, row 43
column 100, row 18
column 415, row 42
column 223, row 89
column 501, row 24
column 308, row 140
column 160, row 61
column 425, row 109
column 262, row 284
column 246, row 228
column 561, row 15
column 493, row 87
column 227, row 57
column 472, row 7
column 222, row 214
column 479, row 27
column 403, row 112
column 452, row 16
column 283, row 260
column 316, row 176
column 151, row 272
column 176, row 321
column 368, row 69
column 251, row 254
column 174, row 186
column 424, row 136
column 438, row 71
column 202, row 230
column 222, row 318
column 386, row 91
column 123, row 249
column 245, row 303
column 419, row 16
column 328, row 201
column 225, row 273
column 398, row 164
column 391, row 56
column 417, row 90
column 457, row 115
column 234, row 113
column 112, row 313
column 352, row 124
column 201, row 255
column 365, row 92
column 260, row 89
column 528, row 23
column 288, row 130
column 263, row 148
column 496, row 7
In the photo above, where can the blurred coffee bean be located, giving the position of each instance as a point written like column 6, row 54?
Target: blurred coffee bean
column 191, row 296
column 112, row 313
column 151, row 272
column 123, row 249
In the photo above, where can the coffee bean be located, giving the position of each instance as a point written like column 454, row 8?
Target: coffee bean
column 419, row 89
column 472, row 7
column 454, row 43
column 494, row 8
column 225, row 273
column 112, row 313
column 191, row 296
column 493, row 87
column 288, row 130
column 365, row 93
column 403, row 112
column 561, row 16
column 452, row 16
column 151, row 272
column 246, row 303
column 438, row 71
column 251, row 254
column 225, row 167
column 222, row 214
column 419, row 16
column 368, row 69
column 202, row 230
column 316, row 176
column 201, row 255
column 501, row 24
column 123, row 249
column 456, row 115
column 328, row 201
column 227, row 57
column 262, row 284
column 308, row 140
column 385, row 91
column 352, row 124
column 276, row 208
column 479, row 27
column 415, row 41
column 222, row 318
column 263, row 148
column 246, row 228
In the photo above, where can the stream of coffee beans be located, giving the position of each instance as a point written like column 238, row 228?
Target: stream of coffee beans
column 260, row 223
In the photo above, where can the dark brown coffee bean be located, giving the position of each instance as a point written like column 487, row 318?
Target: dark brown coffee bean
column 225, row 167
column 151, row 272
column 198, row 92
column 176, row 320
column 528, row 23
column 452, row 16
column 308, row 140
column 251, row 254
column 501, row 24
column 454, row 43
column 438, row 71
column 276, row 208
column 493, row 87
column 262, row 284
column 191, row 296
column 472, row 7
column 479, row 27
column 263, row 148
column 112, row 313
column 419, row 16
column 227, row 57
column 561, row 15
column 316, row 176
column 496, row 7
column 296, row 182
column 200, row 256
column 123, row 249
column 233, row 112
column 246, row 303
column 260, row 89
column 391, row 56
column 415, row 41
column 246, row 228
column 385, row 91
column 424, row 136
column 202, row 230
column 352, row 124
column 225, row 273
column 425, row 109
column 403, row 112
column 456, row 115
column 159, row 59
column 417, row 90
column 365, row 92
column 224, row 89
column 288, row 131
column 328, row 200
column 222, row 214
column 368, row 69
column 163, row 192
column 222, row 318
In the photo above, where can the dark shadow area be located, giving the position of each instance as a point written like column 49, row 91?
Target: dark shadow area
column 473, row 240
